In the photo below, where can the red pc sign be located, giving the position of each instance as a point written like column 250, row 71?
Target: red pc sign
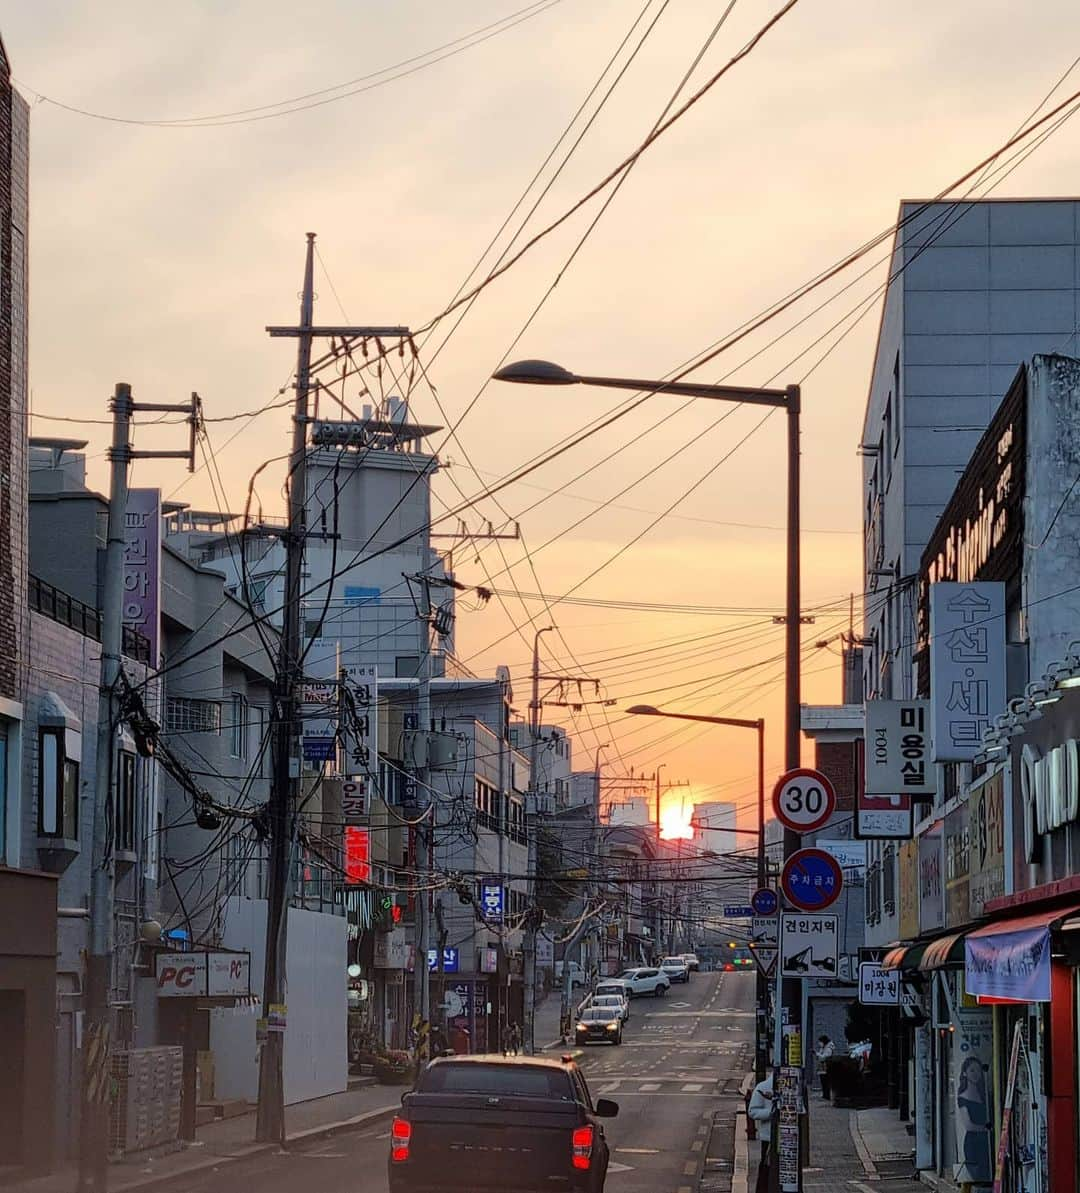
column 181, row 975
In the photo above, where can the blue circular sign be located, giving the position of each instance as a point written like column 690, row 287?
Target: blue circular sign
column 811, row 880
column 765, row 901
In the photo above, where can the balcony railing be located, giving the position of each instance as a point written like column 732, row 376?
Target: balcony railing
column 60, row 606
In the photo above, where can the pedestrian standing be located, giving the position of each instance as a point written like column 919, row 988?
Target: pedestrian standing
column 824, row 1052
column 761, row 1111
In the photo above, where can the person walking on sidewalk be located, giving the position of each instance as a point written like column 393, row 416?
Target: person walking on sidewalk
column 761, row 1111
column 824, row 1052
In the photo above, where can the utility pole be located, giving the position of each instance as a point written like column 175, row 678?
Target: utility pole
column 97, row 1075
column 285, row 783
column 287, row 763
column 532, row 918
column 596, row 884
column 425, row 830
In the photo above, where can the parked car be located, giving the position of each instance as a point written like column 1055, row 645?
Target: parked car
column 617, row 987
column 676, row 969
column 692, row 961
column 494, row 1122
column 577, row 974
column 646, row 980
column 618, row 1003
column 600, row 1024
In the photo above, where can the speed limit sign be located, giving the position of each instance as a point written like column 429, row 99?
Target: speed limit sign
column 803, row 799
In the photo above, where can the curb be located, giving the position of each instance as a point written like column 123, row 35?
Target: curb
column 210, row 1163
column 740, row 1165
column 861, row 1150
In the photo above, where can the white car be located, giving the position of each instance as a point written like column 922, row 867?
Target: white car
column 692, row 961
column 646, row 980
column 676, row 969
column 577, row 974
column 616, row 1003
column 613, row 986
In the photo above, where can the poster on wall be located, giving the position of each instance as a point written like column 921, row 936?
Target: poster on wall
column 967, row 665
column 970, row 1058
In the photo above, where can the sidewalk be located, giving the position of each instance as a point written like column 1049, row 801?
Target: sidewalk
column 226, row 1141
column 846, row 1145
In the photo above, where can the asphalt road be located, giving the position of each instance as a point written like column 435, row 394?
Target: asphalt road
column 680, row 1057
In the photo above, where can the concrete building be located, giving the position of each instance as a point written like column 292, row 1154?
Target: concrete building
column 714, row 824
column 369, row 525
column 554, row 762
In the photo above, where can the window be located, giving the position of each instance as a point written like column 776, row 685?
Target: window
column 406, row 666
column 256, row 594
column 256, row 738
column 58, row 787
column 184, row 715
column 124, row 812
column 238, row 727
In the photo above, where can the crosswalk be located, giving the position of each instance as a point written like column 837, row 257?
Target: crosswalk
column 654, row 1085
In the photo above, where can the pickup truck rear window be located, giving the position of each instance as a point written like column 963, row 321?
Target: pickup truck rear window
column 504, row 1080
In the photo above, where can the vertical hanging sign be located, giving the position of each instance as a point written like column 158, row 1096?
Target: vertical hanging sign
column 967, row 665
column 360, row 730
column 142, row 570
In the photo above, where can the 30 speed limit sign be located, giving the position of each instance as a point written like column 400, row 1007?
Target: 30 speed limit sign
column 803, row 799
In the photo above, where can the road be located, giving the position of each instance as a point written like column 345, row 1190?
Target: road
column 681, row 1059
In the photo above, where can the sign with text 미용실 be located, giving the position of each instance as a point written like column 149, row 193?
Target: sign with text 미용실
column 898, row 748
column 967, row 665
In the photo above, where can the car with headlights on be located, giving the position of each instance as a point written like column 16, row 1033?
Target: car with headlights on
column 599, row 1025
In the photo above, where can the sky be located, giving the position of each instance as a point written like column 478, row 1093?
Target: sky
column 160, row 253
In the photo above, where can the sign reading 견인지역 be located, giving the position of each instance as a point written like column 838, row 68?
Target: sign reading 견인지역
column 808, row 945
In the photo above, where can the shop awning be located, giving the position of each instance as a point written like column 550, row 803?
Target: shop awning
column 1010, row 959
column 946, row 950
column 903, row 957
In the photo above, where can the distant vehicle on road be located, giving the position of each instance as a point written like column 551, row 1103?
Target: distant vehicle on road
column 676, row 969
column 692, row 961
column 600, row 1024
column 617, row 1003
column 494, row 1122
column 613, row 986
column 646, row 980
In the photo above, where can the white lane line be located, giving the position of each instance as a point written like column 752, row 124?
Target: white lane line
column 608, row 1087
column 693, row 1087
column 648, row 1087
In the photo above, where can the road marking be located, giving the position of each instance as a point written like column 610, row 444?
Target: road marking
column 614, row 1166
column 690, row 1167
column 649, row 1086
column 693, row 1087
column 608, row 1087
column 697, row 1145
column 639, row 1151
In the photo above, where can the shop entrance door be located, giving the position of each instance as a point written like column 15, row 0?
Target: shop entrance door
column 13, row 1086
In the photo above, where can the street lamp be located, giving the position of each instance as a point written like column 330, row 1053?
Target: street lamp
column 544, row 372
column 648, row 710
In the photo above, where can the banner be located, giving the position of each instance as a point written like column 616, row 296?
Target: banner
column 142, row 566
column 1013, row 965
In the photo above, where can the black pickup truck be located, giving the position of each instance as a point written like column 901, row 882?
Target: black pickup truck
column 498, row 1123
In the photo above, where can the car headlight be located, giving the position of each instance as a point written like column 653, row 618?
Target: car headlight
column 582, row 1027
column 613, row 1027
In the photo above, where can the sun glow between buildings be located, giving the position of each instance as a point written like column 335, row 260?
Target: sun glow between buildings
column 675, row 817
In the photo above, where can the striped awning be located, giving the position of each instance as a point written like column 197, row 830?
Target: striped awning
column 946, row 950
column 903, row 957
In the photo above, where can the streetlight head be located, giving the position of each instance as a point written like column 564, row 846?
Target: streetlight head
column 535, row 372
column 645, row 710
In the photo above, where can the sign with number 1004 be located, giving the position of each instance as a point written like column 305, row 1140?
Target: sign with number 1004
column 803, row 799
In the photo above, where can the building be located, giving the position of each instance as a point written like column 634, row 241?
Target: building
column 369, row 526
column 715, row 824
column 553, row 761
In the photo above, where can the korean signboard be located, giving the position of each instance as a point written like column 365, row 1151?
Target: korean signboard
column 808, row 945
column 883, row 817
column 391, row 949
column 986, row 813
column 450, row 961
column 203, row 975
column 957, row 867
column 318, row 714
column 898, row 748
column 357, row 855
column 931, row 885
column 1013, row 965
column 491, row 901
column 360, row 731
column 907, row 868
column 967, row 665
column 142, row 570
column 879, row 987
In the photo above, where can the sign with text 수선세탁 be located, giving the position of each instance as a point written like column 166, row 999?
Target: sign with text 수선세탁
column 967, row 665
column 898, row 748
column 808, row 945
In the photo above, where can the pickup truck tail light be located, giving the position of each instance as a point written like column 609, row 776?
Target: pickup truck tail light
column 400, row 1138
column 582, row 1146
